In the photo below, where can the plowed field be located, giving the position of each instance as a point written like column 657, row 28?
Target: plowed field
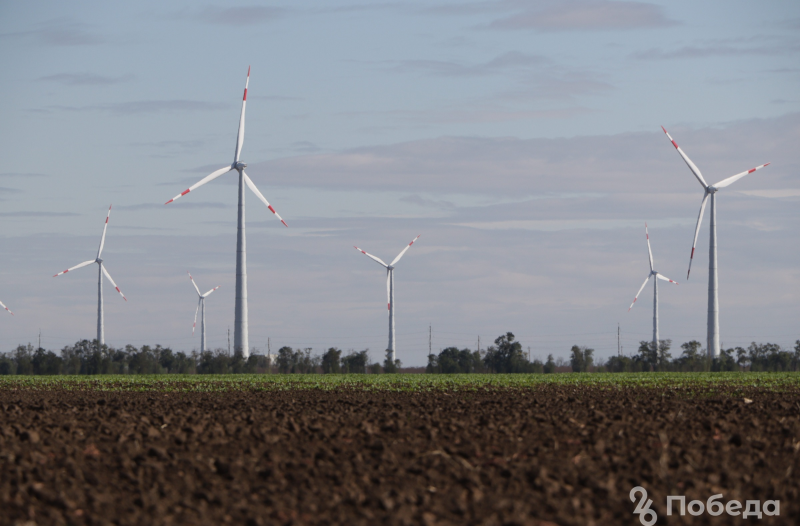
column 553, row 454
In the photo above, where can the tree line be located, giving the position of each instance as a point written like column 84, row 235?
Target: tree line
column 505, row 356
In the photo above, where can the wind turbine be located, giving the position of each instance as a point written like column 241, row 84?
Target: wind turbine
column 712, row 336
column 101, row 270
column 658, row 276
column 201, row 306
column 6, row 308
column 390, row 290
column 240, row 331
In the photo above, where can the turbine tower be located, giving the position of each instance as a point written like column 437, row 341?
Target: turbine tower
column 390, row 291
column 100, row 271
column 201, row 306
column 6, row 308
column 658, row 276
column 240, row 331
column 712, row 336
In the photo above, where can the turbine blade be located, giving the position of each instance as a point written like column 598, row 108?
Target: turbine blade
column 193, row 283
column 403, row 252
column 659, row 276
column 388, row 291
column 640, row 291
column 697, row 231
column 252, row 187
column 103, row 239
column 240, row 135
column 733, row 179
column 695, row 170
column 201, row 182
column 648, row 246
column 112, row 281
column 379, row 260
column 6, row 308
column 195, row 314
column 210, row 291
column 76, row 266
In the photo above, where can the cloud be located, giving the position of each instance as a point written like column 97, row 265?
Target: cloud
column 487, row 113
column 508, row 165
column 140, row 106
column 723, row 48
column 38, row 214
column 774, row 194
column 60, row 33
column 583, row 15
column 176, row 204
column 9, row 190
column 84, row 79
column 236, row 16
column 511, row 61
column 22, row 174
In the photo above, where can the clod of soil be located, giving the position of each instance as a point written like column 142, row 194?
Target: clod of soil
column 549, row 455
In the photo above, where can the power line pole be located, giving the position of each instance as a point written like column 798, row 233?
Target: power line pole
column 430, row 333
column 529, row 353
column 619, row 350
column 40, row 340
column 479, row 343
column 229, row 342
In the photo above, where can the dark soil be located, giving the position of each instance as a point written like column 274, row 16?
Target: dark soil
column 550, row 455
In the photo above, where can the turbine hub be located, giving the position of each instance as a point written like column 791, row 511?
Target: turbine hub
column 239, row 166
column 98, row 261
column 390, row 267
column 712, row 190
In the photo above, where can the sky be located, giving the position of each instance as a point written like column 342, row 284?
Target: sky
column 521, row 139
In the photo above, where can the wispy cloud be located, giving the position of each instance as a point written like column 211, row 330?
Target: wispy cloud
column 22, row 174
column 38, row 214
column 722, row 48
column 233, row 16
column 141, row 106
column 61, row 33
column 583, row 15
column 84, row 79
column 511, row 61
column 176, row 204
column 4, row 190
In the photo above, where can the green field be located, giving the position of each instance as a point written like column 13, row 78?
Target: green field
column 403, row 382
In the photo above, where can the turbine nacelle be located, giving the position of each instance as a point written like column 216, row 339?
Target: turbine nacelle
column 239, row 165
column 99, row 261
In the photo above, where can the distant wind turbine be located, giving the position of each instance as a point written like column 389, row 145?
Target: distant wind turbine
column 201, row 306
column 101, row 270
column 240, row 330
column 6, row 308
column 658, row 276
column 712, row 335
column 390, row 291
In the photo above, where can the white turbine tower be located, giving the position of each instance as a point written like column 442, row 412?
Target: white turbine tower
column 100, row 271
column 390, row 291
column 201, row 306
column 658, row 276
column 240, row 330
column 6, row 308
column 712, row 337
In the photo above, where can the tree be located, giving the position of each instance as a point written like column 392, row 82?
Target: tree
column 46, row 362
column 390, row 367
column 356, row 362
column 582, row 359
column 576, row 361
column 330, row 361
column 549, row 365
column 286, row 360
column 505, row 356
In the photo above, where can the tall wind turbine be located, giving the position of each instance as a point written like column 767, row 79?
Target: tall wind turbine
column 712, row 337
column 6, row 308
column 201, row 306
column 658, row 276
column 390, row 290
column 100, row 271
column 240, row 331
